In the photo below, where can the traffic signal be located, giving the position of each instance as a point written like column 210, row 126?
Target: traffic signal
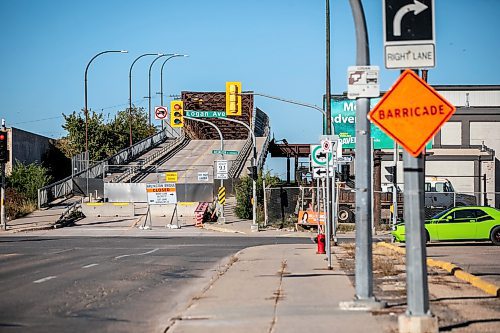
column 252, row 170
column 392, row 176
column 177, row 114
column 4, row 153
column 233, row 99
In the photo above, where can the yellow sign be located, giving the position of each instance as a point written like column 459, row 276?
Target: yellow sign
column 222, row 195
column 177, row 114
column 171, row 177
column 233, row 99
column 412, row 112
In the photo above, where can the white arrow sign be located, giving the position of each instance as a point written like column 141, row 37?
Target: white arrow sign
column 416, row 7
column 320, row 172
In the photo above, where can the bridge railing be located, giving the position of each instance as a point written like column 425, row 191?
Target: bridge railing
column 65, row 187
column 148, row 160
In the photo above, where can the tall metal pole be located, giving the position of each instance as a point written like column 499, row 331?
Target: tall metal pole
column 161, row 73
column 149, row 84
column 328, row 81
column 395, row 186
column 418, row 312
column 364, row 265
column 86, row 109
column 416, row 271
column 221, row 144
column 3, row 219
column 130, row 92
column 328, row 221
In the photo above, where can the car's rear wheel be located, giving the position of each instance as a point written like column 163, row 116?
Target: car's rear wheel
column 495, row 235
column 427, row 237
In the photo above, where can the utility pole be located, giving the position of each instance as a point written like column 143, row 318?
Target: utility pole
column 364, row 298
column 3, row 219
column 328, row 81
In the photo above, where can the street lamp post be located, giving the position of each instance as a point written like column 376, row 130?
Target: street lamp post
column 161, row 73
column 254, row 226
column 130, row 90
column 149, row 82
column 86, row 109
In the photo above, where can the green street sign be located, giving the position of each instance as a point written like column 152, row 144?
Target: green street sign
column 344, row 123
column 225, row 152
column 205, row 114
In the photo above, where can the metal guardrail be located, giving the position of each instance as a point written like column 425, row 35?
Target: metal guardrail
column 64, row 187
column 151, row 158
column 240, row 161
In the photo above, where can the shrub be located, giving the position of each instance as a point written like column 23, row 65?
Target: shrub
column 27, row 179
column 22, row 188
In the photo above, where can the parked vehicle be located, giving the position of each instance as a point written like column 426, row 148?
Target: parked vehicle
column 439, row 195
column 460, row 224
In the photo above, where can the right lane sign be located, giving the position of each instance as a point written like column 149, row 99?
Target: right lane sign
column 409, row 35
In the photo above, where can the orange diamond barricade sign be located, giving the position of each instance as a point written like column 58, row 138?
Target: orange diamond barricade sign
column 411, row 112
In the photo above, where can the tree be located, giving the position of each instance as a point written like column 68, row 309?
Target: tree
column 105, row 138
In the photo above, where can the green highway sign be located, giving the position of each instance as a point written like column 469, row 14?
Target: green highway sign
column 225, row 152
column 205, row 114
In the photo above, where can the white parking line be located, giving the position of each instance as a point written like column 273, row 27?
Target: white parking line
column 136, row 254
column 90, row 265
column 45, row 279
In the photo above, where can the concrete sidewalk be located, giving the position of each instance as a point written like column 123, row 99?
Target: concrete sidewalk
column 277, row 288
column 40, row 219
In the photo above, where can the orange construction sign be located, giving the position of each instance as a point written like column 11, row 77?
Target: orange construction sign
column 411, row 112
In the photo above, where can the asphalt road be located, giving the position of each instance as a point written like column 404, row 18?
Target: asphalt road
column 112, row 284
column 479, row 258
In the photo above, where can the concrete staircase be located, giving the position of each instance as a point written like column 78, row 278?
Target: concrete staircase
column 229, row 213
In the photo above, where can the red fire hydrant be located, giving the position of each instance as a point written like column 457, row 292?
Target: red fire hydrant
column 321, row 244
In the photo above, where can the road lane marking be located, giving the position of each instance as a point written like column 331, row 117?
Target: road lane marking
column 136, row 254
column 90, row 265
column 61, row 251
column 45, row 279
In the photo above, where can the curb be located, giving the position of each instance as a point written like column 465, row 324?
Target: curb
column 220, row 229
column 454, row 270
column 28, row 229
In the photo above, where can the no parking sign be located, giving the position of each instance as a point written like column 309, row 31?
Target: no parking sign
column 161, row 112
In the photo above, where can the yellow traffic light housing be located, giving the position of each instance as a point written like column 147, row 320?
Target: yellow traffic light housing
column 177, row 114
column 233, row 99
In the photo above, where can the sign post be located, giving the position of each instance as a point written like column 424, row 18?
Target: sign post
column 160, row 194
column 398, row 114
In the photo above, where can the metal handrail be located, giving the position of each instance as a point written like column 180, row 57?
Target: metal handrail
column 147, row 161
column 64, row 187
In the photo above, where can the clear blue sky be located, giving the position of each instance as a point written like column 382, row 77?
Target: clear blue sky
column 274, row 47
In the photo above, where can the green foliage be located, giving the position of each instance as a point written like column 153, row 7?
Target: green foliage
column 105, row 138
column 17, row 204
column 22, row 188
column 244, row 195
column 27, row 179
column 243, row 207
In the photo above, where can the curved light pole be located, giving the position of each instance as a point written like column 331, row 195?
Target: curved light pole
column 86, row 110
column 254, row 226
column 161, row 73
column 149, row 82
column 221, row 146
column 130, row 90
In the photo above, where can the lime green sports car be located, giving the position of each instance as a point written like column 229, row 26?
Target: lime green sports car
column 458, row 224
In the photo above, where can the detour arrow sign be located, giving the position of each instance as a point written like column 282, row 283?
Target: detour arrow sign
column 412, row 112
